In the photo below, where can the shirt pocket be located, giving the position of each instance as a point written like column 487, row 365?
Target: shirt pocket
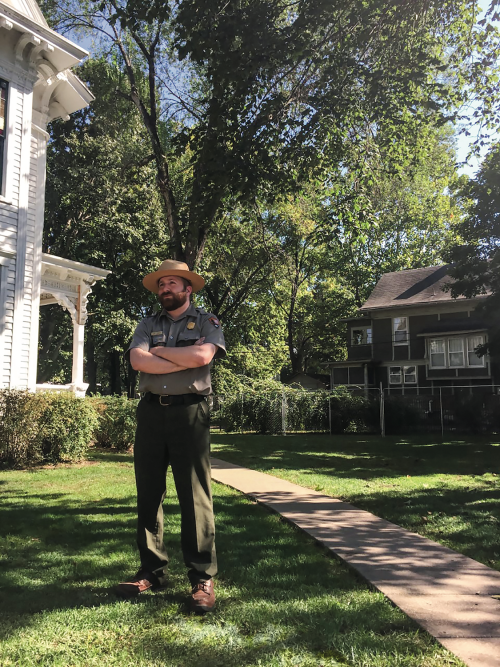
column 186, row 339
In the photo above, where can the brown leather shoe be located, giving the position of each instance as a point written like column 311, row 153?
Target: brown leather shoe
column 142, row 581
column 203, row 596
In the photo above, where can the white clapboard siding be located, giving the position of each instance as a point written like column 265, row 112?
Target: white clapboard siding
column 8, row 226
column 27, row 309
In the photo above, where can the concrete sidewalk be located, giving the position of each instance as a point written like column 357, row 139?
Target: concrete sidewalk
column 449, row 595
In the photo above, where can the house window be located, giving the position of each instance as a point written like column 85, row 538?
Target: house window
column 438, row 353
column 472, row 343
column 361, row 336
column 400, row 330
column 451, row 352
column 456, row 352
column 395, row 374
column 3, row 129
column 410, row 374
column 402, row 374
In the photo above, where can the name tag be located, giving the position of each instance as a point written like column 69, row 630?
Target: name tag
column 158, row 337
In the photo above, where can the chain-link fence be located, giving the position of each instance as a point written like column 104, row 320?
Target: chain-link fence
column 458, row 409
column 359, row 410
column 295, row 411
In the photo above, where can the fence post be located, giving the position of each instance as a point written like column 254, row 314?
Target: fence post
column 441, row 409
column 382, row 411
column 283, row 413
column 330, row 413
column 241, row 418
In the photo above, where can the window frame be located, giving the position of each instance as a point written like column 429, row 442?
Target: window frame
column 468, row 351
column 392, row 374
column 456, row 352
column 407, row 330
column 367, row 338
column 415, row 373
column 437, row 340
column 4, row 93
column 465, row 352
column 402, row 375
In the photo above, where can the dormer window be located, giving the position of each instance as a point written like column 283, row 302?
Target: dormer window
column 361, row 336
column 3, row 130
column 400, row 330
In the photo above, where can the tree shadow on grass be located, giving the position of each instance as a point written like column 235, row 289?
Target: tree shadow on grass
column 110, row 456
column 366, row 457
column 466, row 520
column 277, row 591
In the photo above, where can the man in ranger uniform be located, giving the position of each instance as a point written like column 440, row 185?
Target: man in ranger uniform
column 173, row 350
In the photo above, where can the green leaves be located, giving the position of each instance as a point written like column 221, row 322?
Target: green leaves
column 476, row 256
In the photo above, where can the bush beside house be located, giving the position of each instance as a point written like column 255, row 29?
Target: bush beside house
column 44, row 427
column 53, row 427
column 116, row 421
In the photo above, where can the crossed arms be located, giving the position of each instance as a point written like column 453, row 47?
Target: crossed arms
column 160, row 360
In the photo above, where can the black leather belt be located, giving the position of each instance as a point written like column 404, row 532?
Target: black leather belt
column 178, row 399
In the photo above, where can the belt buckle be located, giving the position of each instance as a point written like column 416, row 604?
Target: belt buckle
column 162, row 396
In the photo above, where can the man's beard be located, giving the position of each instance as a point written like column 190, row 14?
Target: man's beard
column 173, row 300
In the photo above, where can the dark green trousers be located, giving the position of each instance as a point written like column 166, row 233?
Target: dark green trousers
column 179, row 436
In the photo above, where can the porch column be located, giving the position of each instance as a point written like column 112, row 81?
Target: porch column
column 79, row 387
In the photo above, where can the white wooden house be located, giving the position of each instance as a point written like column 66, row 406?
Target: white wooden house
column 36, row 86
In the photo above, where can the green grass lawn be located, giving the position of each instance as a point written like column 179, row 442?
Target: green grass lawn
column 68, row 538
column 447, row 491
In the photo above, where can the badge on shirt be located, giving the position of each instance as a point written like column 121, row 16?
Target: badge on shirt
column 190, row 325
column 214, row 321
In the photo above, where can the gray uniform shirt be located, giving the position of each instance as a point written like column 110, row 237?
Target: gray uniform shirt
column 193, row 324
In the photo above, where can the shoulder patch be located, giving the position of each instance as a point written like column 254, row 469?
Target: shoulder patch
column 213, row 320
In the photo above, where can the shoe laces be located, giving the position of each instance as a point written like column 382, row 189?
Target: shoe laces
column 202, row 586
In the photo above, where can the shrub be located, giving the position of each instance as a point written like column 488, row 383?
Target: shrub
column 401, row 415
column 67, row 426
column 471, row 413
column 20, row 442
column 306, row 410
column 352, row 413
column 116, row 421
column 44, row 427
column 262, row 411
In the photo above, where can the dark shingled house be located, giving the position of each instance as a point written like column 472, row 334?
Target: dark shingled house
column 411, row 336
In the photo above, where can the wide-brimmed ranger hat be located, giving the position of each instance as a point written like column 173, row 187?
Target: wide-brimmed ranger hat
column 171, row 267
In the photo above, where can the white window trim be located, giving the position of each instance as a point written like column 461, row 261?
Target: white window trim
column 402, row 374
column 407, row 341
column 6, row 194
column 365, row 329
column 462, row 352
column 7, row 131
column 465, row 352
column 405, row 381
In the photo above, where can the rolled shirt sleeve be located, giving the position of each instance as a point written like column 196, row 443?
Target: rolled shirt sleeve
column 212, row 332
column 140, row 339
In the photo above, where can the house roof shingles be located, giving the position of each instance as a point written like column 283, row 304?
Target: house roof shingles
column 411, row 287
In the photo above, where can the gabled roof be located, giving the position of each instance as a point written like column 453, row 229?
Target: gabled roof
column 29, row 8
column 411, row 287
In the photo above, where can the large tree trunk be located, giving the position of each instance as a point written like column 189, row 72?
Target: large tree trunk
column 91, row 363
column 115, row 382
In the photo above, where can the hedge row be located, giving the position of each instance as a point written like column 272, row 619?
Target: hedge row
column 295, row 410
column 52, row 427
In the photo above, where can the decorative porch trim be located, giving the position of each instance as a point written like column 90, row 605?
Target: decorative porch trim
column 69, row 284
